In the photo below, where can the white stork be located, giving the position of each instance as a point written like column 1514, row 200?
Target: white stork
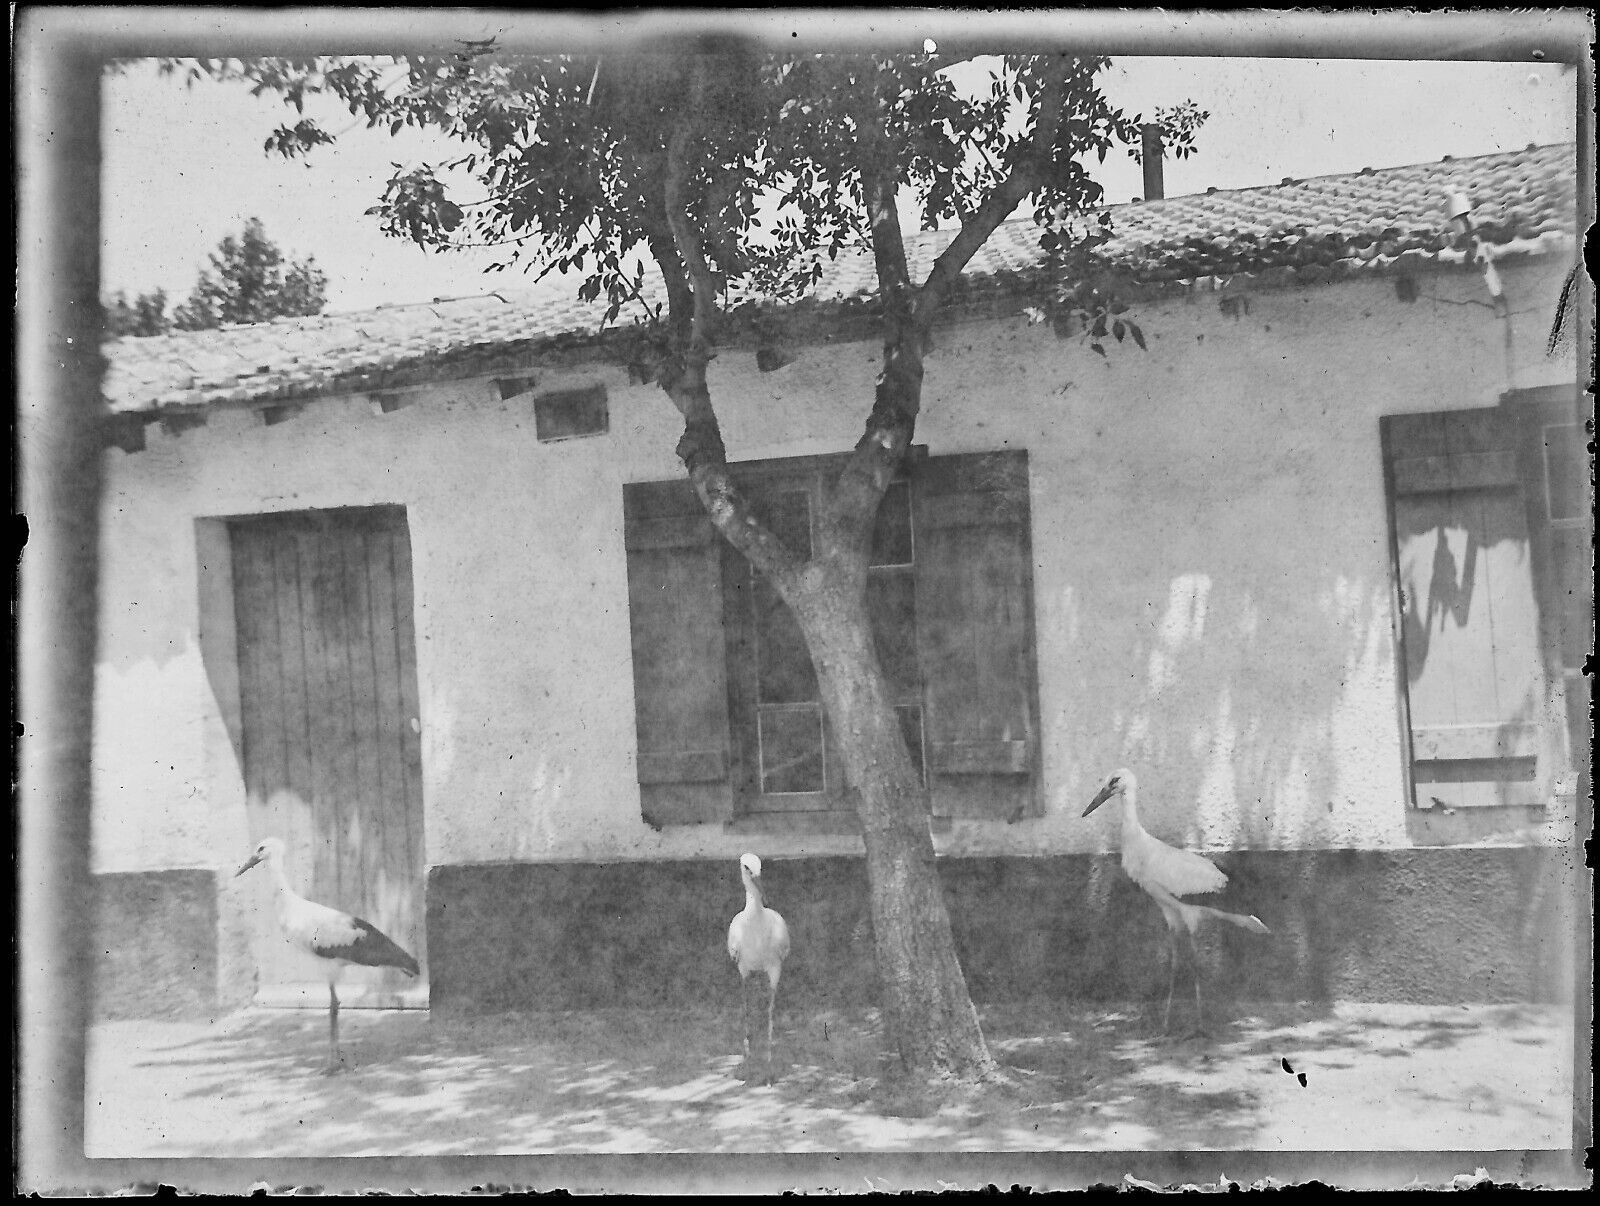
column 337, row 939
column 758, row 941
column 1165, row 874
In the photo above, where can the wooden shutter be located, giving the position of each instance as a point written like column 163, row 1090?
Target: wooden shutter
column 1560, row 508
column 679, row 681
column 974, row 600
column 1476, row 686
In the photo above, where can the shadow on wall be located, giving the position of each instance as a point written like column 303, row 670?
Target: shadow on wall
column 1247, row 674
column 1241, row 700
column 150, row 656
column 1449, row 597
column 1250, row 683
column 153, row 804
column 148, row 569
column 1479, row 662
column 143, row 637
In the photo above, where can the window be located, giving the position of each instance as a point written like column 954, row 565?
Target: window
column 567, row 414
column 1481, row 618
column 729, row 720
column 784, row 756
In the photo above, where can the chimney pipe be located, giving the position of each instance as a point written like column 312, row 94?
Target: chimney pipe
column 1150, row 155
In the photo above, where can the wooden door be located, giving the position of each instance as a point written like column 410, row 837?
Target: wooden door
column 331, row 737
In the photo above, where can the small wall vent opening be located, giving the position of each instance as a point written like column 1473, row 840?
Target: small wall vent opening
column 175, row 423
column 571, row 413
column 271, row 416
column 511, row 387
column 125, row 432
column 387, row 404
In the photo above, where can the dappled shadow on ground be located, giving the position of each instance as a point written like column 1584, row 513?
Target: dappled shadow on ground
column 1115, row 1079
column 630, row 1081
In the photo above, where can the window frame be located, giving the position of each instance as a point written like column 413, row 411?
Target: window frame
column 831, row 809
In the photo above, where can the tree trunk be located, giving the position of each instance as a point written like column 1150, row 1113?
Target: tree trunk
column 927, row 1011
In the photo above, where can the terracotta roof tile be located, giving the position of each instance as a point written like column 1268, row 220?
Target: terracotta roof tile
column 1370, row 221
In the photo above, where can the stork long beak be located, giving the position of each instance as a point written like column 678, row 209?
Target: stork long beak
column 250, row 862
column 1104, row 794
column 761, row 889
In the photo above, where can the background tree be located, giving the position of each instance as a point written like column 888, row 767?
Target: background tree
column 727, row 168
column 249, row 282
column 146, row 314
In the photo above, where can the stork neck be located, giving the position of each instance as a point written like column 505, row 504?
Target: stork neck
column 1130, row 810
column 753, row 900
column 280, row 881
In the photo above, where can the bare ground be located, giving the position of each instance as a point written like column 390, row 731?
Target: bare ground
column 1377, row 1077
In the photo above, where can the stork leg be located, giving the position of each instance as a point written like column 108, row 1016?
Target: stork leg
column 744, row 1018
column 772, row 999
column 335, row 1060
column 1172, row 975
column 1199, row 1015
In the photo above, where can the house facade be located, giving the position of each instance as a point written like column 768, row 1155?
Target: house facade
column 422, row 591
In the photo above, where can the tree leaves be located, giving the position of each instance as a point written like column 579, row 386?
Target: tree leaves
column 298, row 139
column 569, row 153
column 1089, row 297
column 145, row 315
column 248, row 281
column 414, row 206
column 1179, row 126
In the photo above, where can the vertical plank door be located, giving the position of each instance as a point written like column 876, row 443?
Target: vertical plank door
column 332, row 746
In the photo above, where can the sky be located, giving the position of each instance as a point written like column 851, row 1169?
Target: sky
column 183, row 167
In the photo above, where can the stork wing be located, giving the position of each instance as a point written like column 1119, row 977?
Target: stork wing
column 340, row 936
column 780, row 935
column 1177, row 872
column 735, row 937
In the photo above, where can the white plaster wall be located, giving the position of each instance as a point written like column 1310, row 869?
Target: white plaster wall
column 152, row 798
column 1212, row 578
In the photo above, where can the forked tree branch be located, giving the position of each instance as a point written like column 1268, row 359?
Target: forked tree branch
column 691, row 294
column 1026, row 173
column 908, row 310
column 847, row 520
column 686, row 135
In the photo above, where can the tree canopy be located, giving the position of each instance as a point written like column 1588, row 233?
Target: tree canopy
column 248, row 281
column 143, row 315
column 570, row 152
